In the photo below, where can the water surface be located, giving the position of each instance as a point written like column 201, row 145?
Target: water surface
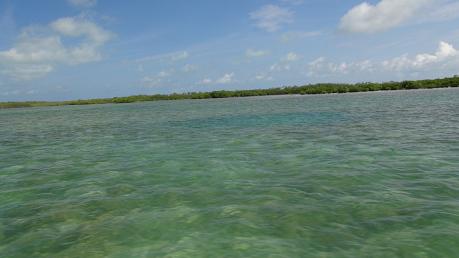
column 353, row 175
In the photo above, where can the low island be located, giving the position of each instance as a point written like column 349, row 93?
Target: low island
column 320, row 88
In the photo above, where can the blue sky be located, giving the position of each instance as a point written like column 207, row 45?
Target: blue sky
column 71, row 49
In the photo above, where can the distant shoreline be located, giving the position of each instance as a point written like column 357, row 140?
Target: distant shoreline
column 321, row 88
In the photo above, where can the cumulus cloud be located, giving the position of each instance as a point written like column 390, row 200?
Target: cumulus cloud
column 82, row 3
column 255, row 53
column 320, row 67
column 74, row 27
column 165, row 73
column 279, row 67
column 290, row 57
column 34, row 50
column 445, row 59
column 35, row 55
column 160, row 79
column 272, row 17
column 151, row 81
column 189, row 68
column 445, row 54
column 368, row 18
column 179, row 56
column 227, row 78
column 285, row 63
column 206, row 81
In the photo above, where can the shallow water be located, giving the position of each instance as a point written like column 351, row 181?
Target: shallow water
column 353, row 175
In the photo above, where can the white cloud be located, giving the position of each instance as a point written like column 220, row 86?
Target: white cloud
column 150, row 82
column 206, row 81
column 295, row 35
column 35, row 50
column 290, row 57
column 27, row 72
column 255, row 53
column 443, row 56
column 320, row 67
column 279, row 67
column 263, row 77
column 227, row 78
column 272, row 17
column 164, row 73
column 444, row 60
column 368, row 18
column 74, row 27
column 179, row 56
column 35, row 55
column 189, row 68
column 285, row 63
column 167, row 57
column 83, row 3
column 160, row 79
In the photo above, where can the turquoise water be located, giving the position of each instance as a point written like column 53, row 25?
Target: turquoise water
column 353, row 175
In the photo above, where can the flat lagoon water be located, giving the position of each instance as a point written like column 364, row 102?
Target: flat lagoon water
column 352, row 175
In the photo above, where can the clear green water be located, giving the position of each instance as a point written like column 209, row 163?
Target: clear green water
column 354, row 175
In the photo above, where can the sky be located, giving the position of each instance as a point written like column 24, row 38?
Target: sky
column 77, row 49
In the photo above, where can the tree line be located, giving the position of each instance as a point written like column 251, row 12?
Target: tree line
column 321, row 88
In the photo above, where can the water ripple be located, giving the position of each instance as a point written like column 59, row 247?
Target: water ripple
column 355, row 175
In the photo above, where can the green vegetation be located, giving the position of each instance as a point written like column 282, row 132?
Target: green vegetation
column 321, row 88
